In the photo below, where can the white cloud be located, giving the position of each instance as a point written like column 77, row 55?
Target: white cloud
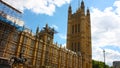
column 105, row 32
column 54, row 26
column 117, row 4
column 38, row 6
column 62, row 36
column 64, row 45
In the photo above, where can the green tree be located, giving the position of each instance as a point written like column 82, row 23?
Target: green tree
column 98, row 64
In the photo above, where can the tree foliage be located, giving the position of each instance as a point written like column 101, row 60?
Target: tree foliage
column 99, row 64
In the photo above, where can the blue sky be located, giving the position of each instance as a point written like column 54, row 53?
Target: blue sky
column 105, row 22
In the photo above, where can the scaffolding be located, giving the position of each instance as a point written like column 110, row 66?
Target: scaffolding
column 9, row 10
column 11, row 23
column 10, row 15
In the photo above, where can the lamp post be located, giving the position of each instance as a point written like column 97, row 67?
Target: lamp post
column 104, row 57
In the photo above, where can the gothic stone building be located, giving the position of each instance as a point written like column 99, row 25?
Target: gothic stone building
column 39, row 49
column 79, row 34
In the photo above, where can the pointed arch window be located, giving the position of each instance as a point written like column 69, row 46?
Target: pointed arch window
column 78, row 27
column 75, row 47
column 75, row 28
column 72, row 47
column 78, row 46
column 72, row 29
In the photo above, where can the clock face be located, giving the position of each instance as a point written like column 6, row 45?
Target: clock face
column 48, row 38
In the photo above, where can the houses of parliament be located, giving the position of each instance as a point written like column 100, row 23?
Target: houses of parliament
column 39, row 49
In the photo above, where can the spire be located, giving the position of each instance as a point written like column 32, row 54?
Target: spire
column 37, row 30
column 82, row 5
column 88, row 11
column 82, row 8
column 88, row 15
column 69, row 12
column 23, row 27
column 46, row 26
column 70, row 9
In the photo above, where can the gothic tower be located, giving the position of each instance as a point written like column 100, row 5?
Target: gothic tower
column 79, row 34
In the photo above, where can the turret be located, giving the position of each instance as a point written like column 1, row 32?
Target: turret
column 47, row 34
column 69, row 10
column 69, row 18
column 37, row 30
column 82, row 7
column 46, row 26
column 88, row 12
column 88, row 15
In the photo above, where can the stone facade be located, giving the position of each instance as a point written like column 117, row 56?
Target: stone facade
column 39, row 49
column 79, row 34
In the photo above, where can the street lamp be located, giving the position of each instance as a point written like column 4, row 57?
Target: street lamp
column 104, row 57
